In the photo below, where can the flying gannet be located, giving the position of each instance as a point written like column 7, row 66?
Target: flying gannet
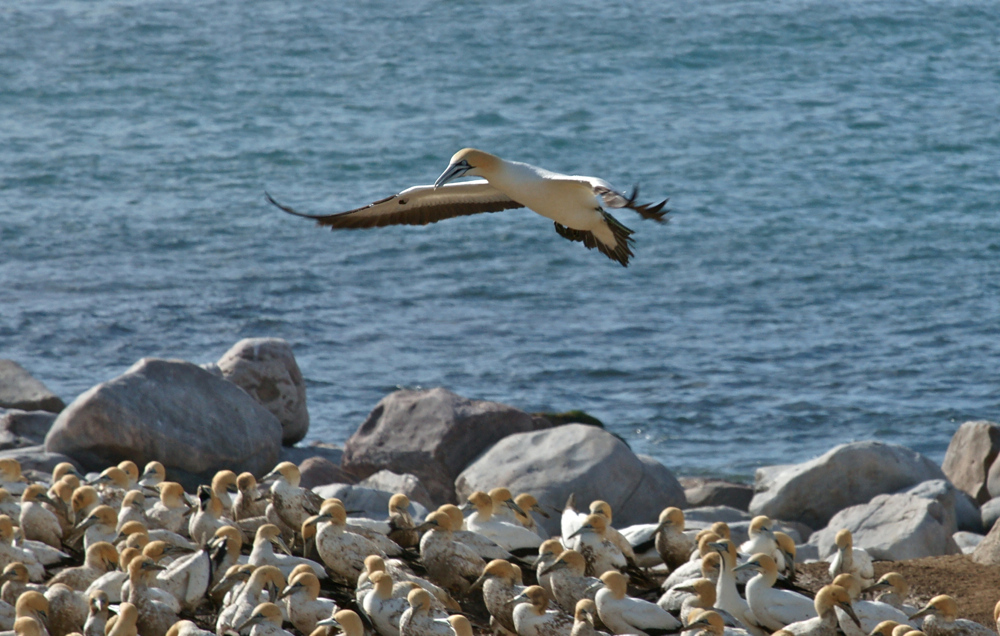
column 575, row 203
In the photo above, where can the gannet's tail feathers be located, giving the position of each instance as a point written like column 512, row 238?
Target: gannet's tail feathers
column 418, row 205
column 619, row 252
column 613, row 199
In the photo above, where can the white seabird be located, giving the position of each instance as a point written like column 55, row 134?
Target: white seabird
column 575, row 203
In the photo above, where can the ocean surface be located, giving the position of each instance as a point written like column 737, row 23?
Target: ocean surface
column 830, row 272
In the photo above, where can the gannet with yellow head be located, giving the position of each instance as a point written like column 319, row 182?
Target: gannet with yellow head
column 626, row 615
column 511, row 536
column 825, row 622
column 851, row 560
column 575, row 203
column 500, row 585
column 774, row 608
column 870, row 613
column 569, row 581
column 450, row 563
column 417, row 620
column 941, row 619
column 305, row 607
column 534, row 618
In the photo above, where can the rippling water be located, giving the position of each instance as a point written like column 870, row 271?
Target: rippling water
column 831, row 270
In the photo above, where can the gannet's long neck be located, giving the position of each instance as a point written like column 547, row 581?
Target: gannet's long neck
column 726, row 595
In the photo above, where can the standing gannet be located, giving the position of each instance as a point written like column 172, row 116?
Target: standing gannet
column 383, row 606
column 265, row 620
column 510, row 536
column 500, row 585
column 61, row 494
column 773, row 608
column 305, row 607
column 97, row 614
column 16, row 583
column 852, row 560
column 170, row 511
column 892, row 588
column 570, row 584
column 575, row 203
column 535, row 619
column 291, row 503
column 528, row 504
column 269, row 535
column 156, row 613
column 584, row 617
column 725, row 589
column 712, row 623
column 591, row 541
column 600, row 507
column 941, row 619
column 101, row 557
column 825, row 622
column 100, row 525
column 702, row 598
column 870, row 613
column 133, row 509
column 37, row 523
column 224, row 487
column 401, row 525
column 626, row 615
column 673, row 546
column 417, row 619
column 788, row 551
column 248, row 502
column 208, row 518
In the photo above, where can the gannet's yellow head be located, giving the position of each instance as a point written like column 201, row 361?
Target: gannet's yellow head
column 224, row 481
column 884, row 628
column 131, row 471
column 15, row 571
column 468, row 162
column 382, row 582
column 10, row 470
column 711, row 565
column 705, row 540
column 263, row 613
column 419, row 599
column 246, row 481
column 134, row 499
column 550, row 546
column 106, row 516
column 102, row 555
column 600, row 507
column 672, row 517
column 398, row 503
column 850, row 583
column 527, row 502
column 154, row 472
column 832, row 596
column 460, row 625
column 594, row 523
column 454, row 513
column 704, row 589
column 901, row 629
column 616, row 582
column 844, row 540
column 128, row 615
column 349, row 622
column 374, row 563
column 84, row 497
column 32, row 604
column 571, row 560
column 721, row 528
column 62, row 469
column 785, row 543
column 115, row 477
column 334, row 512
column 760, row 523
column 305, row 581
column 708, row 621
column 27, row 626
column 892, row 581
column 482, row 502
column 171, row 494
column 286, row 471
column 943, row 605
column 97, row 601
column 538, row 598
column 497, row 568
column 585, row 610
column 762, row 563
column 439, row 520
column 34, row 492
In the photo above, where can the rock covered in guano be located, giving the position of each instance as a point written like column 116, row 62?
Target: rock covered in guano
column 431, row 434
column 576, row 459
column 846, row 475
column 171, row 411
column 266, row 369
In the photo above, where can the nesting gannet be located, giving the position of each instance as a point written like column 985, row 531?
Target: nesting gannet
column 535, row 619
column 61, row 494
column 548, row 552
column 67, row 610
column 761, row 540
column 127, row 621
column 342, row 551
column 500, row 585
column 626, row 615
column 170, row 511
column 269, row 535
column 941, row 619
column 852, row 560
column 111, row 485
column 248, row 502
column 152, row 474
column 266, row 577
column 570, row 584
column 399, row 573
column 224, row 487
column 487, row 549
column 34, row 605
column 190, row 576
column 713, row 623
column 417, row 619
column 449, row 563
column 156, row 613
column 305, row 607
column 575, row 203
column 100, row 525
column 788, row 551
column 773, row 608
column 16, row 583
column 701, row 598
column 292, row 503
column 11, row 478
column 382, row 606
column 584, row 617
column 265, row 620
column 37, row 523
column 693, row 568
column 601, row 507
column 101, row 557
column 528, row 504
column 10, row 553
column 824, row 623
column 208, row 518
column 870, row 613
column 512, row 537
column 133, row 509
column 892, row 588
column 673, row 546
column 349, row 622
column 85, row 499
column 131, row 472
column 725, row 589
column 591, row 541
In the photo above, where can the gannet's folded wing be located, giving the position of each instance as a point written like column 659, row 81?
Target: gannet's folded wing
column 418, row 205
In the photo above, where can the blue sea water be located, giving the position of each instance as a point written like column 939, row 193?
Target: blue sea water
column 831, row 271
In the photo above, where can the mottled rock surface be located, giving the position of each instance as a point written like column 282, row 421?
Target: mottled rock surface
column 171, row 411
column 431, row 434
column 266, row 369
column 406, row 484
column 576, row 459
column 21, row 390
column 847, row 475
column 971, row 453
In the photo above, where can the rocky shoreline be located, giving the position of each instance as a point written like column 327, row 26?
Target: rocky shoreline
column 246, row 412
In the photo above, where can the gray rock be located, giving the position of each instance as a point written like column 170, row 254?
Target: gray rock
column 988, row 550
column 971, row 452
column 299, row 454
column 575, row 459
column 24, row 428
column 806, row 553
column 319, row 471
column 961, row 513
column 367, row 502
column 266, row 369
column 967, row 542
column 716, row 492
column 430, row 434
column 989, row 513
column 406, row 484
column 892, row 527
column 171, row 411
column 20, row 390
column 847, row 475
column 993, row 480
column 711, row 514
column 36, row 458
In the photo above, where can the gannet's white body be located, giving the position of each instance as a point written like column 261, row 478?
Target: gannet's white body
column 573, row 202
column 774, row 608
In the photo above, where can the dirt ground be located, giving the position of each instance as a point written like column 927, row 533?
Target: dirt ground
column 976, row 587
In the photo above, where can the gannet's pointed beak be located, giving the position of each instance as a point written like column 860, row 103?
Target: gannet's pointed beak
column 454, row 171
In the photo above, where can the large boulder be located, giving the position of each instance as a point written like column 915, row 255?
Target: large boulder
column 266, row 369
column 577, row 459
column 972, row 451
column 846, row 475
column 21, row 390
column 988, row 550
column 171, row 411
column 716, row 492
column 891, row 527
column 432, row 435
column 960, row 511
